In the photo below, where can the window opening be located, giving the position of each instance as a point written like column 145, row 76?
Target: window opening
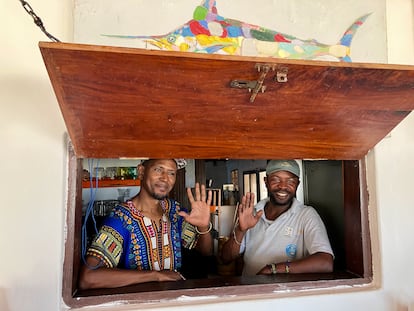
column 346, row 272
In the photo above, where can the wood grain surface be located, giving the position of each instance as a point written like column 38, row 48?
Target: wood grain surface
column 126, row 102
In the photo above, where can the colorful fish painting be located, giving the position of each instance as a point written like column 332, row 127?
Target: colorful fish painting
column 208, row 32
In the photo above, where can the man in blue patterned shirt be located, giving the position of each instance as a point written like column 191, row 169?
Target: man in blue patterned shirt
column 142, row 239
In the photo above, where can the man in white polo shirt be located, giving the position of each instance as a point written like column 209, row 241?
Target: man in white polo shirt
column 279, row 234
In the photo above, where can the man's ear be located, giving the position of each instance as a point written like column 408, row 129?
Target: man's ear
column 140, row 171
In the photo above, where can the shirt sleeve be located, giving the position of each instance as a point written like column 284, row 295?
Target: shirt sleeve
column 315, row 234
column 107, row 246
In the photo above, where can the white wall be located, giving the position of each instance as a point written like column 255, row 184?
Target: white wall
column 33, row 164
column 32, row 161
column 394, row 169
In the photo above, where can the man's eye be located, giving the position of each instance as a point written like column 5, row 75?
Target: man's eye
column 158, row 170
column 290, row 182
column 172, row 174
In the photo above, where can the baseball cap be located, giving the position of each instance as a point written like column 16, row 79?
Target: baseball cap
column 181, row 163
column 283, row 165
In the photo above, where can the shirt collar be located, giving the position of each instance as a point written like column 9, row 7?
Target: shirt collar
column 296, row 205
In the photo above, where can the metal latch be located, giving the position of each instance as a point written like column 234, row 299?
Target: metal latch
column 241, row 84
column 257, row 86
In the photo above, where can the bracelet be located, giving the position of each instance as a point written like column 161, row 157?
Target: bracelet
column 273, row 267
column 205, row 232
column 234, row 237
column 287, row 266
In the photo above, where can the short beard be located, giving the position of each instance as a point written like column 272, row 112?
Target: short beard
column 158, row 196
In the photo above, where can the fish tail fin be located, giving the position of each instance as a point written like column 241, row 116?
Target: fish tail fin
column 349, row 34
column 346, row 58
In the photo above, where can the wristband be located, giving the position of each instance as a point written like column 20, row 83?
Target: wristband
column 234, row 237
column 287, row 266
column 273, row 267
column 205, row 232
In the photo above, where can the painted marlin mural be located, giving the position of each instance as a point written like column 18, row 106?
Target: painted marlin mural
column 208, row 32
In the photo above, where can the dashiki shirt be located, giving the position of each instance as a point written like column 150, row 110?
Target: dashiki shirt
column 129, row 240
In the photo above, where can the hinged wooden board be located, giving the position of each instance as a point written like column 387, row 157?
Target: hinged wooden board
column 125, row 102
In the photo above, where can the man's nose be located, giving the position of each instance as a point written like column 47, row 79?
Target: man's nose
column 283, row 184
column 164, row 175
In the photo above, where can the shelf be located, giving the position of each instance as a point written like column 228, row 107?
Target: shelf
column 128, row 102
column 104, row 183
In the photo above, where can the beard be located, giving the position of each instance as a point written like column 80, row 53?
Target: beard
column 157, row 191
column 159, row 197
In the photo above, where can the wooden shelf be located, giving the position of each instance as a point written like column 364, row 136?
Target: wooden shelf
column 104, row 183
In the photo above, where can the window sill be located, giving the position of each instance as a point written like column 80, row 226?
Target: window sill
column 223, row 287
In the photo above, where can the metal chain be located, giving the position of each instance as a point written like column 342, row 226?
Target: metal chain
column 37, row 20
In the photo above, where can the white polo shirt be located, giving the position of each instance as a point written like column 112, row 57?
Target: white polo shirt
column 295, row 234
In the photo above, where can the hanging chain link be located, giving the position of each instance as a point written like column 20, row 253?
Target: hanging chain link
column 37, row 20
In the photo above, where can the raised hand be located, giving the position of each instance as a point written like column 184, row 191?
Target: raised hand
column 200, row 207
column 247, row 218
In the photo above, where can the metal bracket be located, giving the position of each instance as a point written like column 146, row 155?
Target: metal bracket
column 282, row 75
column 257, row 86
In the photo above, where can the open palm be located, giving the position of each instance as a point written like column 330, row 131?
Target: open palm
column 200, row 206
column 246, row 213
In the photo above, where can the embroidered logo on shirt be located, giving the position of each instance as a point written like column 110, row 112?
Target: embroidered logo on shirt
column 288, row 231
